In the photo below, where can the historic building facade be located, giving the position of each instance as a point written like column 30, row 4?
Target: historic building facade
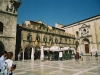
column 8, row 19
column 87, row 34
column 32, row 34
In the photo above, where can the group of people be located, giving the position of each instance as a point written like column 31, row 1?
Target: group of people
column 77, row 56
column 80, row 55
column 6, row 63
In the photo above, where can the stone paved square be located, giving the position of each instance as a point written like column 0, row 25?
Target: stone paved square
column 89, row 66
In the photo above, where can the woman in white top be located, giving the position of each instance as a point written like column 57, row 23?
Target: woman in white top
column 10, row 62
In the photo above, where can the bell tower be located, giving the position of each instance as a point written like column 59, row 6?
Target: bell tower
column 8, row 22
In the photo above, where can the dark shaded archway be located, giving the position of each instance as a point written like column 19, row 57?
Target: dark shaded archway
column 1, row 27
column 37, row 53
column 1, row 47
column 27, row 52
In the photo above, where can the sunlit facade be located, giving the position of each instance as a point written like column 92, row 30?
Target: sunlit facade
column 32, row 34
column 87, row 34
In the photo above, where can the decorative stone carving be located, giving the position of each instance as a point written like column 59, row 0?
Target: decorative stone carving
column 12, row 6
column 85, row 30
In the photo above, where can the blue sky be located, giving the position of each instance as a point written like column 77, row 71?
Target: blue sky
column 57, row 11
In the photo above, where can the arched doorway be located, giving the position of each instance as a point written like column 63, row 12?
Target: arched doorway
column 27, row 52
column 86, row 45
column 1, row 47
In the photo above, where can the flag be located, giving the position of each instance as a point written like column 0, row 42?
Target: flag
column 35, row 42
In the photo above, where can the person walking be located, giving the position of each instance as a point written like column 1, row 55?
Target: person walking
column 91, row 53
column 77, row 56
column 19, row 56
column 96, row 55
column 11, row 65
column 81, row 56
column 2, row 58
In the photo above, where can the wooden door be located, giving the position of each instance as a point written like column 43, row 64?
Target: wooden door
column 86, row 48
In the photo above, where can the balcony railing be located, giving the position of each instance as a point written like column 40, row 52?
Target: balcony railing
column 50, row 31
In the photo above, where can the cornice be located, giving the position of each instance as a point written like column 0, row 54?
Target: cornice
column 8, row 13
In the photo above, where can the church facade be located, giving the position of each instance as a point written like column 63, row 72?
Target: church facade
column 8, row 19
column 87, row 34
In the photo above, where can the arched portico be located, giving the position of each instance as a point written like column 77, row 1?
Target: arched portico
column 27, row 52
column 31, row 52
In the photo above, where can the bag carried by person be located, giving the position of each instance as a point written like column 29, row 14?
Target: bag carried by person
column 5, row 70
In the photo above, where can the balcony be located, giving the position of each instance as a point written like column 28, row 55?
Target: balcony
column 49, row 31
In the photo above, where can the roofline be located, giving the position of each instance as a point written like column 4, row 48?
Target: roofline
column 81, row 20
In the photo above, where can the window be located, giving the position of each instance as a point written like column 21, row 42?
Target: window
column 56, row 40
column 50, row 40
column 60, row 40
column 65, row 40
column 29, row 37
column 38, row 38
column 1, row 27
column 77, row 34
column 44, row 39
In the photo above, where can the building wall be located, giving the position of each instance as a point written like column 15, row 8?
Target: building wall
column 35, row 28
column 9, row 19
column 94, row 34
column 8, row 37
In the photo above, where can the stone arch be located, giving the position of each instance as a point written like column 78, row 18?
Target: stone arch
column 1, row 47
column 85, row 41
column 77, row 34
column 85, row 45
column 27, row 51
column 1, row 27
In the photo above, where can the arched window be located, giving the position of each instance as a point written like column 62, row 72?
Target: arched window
column 77, row 34
column 84, row 30
column 38, row 38
column 56, row 40
column 65, row 40
column 50, row 39
column 29, row 37
column 44, row 39
column 60, row 40
column 1, row 27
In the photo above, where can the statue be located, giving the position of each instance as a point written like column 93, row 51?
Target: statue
column 10, row 7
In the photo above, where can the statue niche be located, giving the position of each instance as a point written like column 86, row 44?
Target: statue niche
column 12, row 6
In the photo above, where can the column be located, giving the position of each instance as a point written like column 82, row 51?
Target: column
column 42, row 54
column 32, row 54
